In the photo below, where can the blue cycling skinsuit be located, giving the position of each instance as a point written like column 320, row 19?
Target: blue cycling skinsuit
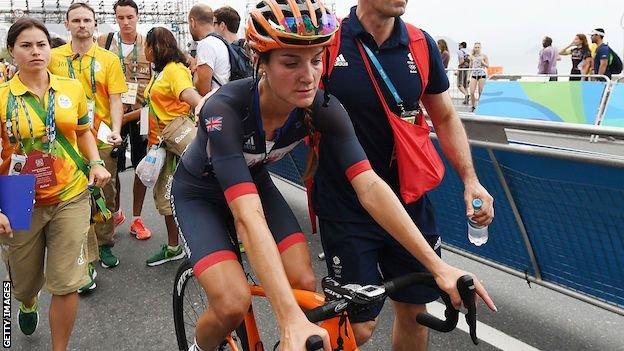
column 357, row 249
column 228, row 159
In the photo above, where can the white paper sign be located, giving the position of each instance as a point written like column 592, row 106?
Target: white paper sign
column 103, row 132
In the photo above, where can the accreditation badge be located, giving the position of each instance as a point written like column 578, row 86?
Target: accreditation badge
column 130, row 96
column 17, row 164
column 410, row 116
column 91, row 112
column 144, row 121
column 42, row 167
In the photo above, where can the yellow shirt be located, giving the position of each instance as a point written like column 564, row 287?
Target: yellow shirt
column 163, row 93
column 70, row 115
column 109, row 76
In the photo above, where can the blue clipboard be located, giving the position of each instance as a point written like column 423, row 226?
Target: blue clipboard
column 17, row 198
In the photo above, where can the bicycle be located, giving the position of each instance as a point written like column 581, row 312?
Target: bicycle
column 330, row 311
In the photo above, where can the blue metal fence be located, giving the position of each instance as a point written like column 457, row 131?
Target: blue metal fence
column 573, row 214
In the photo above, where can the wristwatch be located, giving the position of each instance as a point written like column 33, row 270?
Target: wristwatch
column 97, row 162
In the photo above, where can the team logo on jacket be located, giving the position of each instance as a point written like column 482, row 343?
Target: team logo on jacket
column 64, row 101
column 214, row 124
column 411, row 63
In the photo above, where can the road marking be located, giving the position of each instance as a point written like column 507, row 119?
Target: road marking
column 485, row 333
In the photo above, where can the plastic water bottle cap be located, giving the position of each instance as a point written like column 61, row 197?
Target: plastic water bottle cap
column 477, row 204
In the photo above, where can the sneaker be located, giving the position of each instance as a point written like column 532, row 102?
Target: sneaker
column 107, row 259
column 91, row 284
column 119, row 218
column 165, row 255
column 28, row 318
column 138, row 229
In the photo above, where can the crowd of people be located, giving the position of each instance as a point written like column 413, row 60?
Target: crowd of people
column 73, row 109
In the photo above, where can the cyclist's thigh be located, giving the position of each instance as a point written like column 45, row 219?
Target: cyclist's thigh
column 352, row 255
column 395, row 261
column 203, row 224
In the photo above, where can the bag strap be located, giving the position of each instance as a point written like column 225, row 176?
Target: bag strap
column 109, row 41
column 95, row 191
column 419, row 48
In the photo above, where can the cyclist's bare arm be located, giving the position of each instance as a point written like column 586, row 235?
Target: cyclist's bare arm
column 383, row 205
column 253, row 231
column 454, row 143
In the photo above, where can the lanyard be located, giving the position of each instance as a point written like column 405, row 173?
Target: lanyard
column 72, row 74
column 385, row 78
column 148, row 101
column 135, row 57
column 49, row 121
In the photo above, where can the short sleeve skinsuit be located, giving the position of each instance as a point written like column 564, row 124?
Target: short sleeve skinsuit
column 228, row 159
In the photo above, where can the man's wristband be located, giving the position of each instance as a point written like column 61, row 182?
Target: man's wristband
column 97, row 162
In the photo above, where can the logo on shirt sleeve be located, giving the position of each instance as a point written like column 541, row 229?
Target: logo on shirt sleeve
column 214, row 124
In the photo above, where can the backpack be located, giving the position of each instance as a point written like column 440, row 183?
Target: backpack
column 240, row 63
column 615, row 63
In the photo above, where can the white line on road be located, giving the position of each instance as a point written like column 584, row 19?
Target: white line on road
column 485, row 333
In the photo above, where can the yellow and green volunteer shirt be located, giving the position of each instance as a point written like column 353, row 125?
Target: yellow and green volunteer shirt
column 163, row 93
column 70, row 116
column 109, row 76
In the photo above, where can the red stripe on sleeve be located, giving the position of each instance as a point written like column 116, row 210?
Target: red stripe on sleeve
column 212, row 259
column 290, row 240
column 240, row 189
column 357, row 168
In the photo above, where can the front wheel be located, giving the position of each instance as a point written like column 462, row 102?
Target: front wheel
column 189, row 302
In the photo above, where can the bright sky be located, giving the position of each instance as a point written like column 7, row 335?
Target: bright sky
column 511, row 31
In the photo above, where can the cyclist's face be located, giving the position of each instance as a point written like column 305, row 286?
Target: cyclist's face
column 294, row 74
column 31, row 50
column 387, row 8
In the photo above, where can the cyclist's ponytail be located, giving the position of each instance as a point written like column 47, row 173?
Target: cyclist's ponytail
column 312, row 157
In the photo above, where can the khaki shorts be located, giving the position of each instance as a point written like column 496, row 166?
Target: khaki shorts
column 162, row 189
column 57, row 241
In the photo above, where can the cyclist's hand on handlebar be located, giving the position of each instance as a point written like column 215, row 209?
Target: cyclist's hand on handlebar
column 294, row 335
column 447, row 277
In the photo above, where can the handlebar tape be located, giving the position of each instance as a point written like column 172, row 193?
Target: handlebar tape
column 466, row 288
column 314, row 343
column 408, row 280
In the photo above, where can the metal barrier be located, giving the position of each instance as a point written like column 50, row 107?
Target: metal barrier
column 559, row 211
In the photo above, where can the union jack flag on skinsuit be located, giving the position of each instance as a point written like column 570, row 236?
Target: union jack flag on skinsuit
column 214, row 124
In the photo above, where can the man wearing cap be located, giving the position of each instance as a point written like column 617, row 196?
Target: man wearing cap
column 601, row 59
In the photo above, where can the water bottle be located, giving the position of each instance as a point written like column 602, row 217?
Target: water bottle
column 477, row 234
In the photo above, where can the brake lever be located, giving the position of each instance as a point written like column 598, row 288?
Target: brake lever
column 466, row 288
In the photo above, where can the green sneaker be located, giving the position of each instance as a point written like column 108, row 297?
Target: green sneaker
column 28, row 318
column 165, row 255
column 107, row 259
column 91, row 284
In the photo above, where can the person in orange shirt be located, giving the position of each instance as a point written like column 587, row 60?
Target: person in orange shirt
column 103, row 81
column 44, row 125
column 170, row 94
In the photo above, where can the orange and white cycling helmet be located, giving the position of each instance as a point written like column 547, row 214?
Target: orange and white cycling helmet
column 281, row 24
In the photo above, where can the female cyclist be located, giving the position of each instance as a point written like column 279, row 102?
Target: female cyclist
column 479, row 63
column 169, row 94
column 222, row 181
column 44, row 123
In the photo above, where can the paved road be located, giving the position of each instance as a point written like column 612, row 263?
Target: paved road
column 131, row 307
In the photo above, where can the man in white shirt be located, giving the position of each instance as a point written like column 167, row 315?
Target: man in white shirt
column 213, row 58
